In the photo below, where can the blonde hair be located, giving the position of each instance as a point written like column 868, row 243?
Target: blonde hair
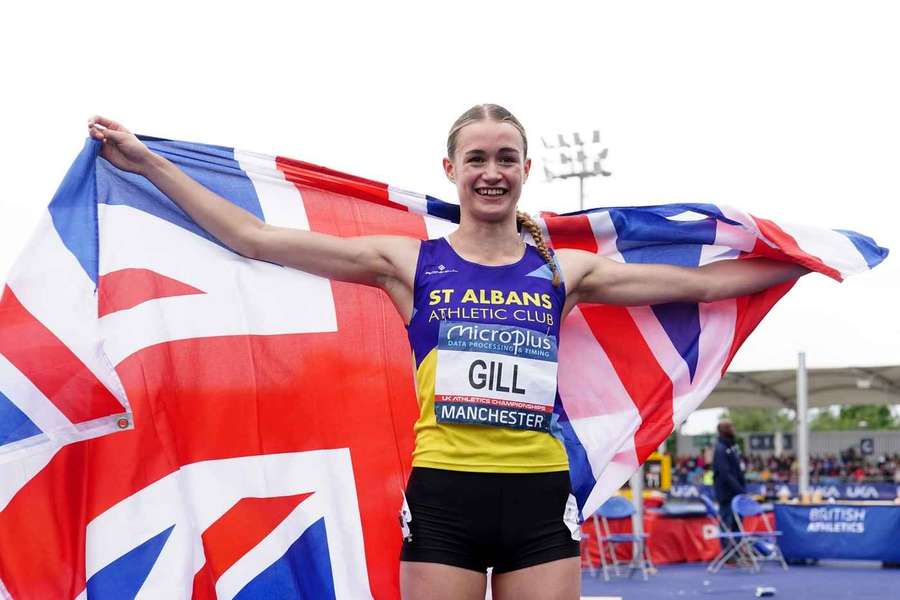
column 495, row 112
column 524, row 220
column 484, row 112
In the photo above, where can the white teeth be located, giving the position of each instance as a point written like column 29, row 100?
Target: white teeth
column 491, row 191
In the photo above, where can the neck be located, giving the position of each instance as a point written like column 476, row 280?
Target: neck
column 488, row 242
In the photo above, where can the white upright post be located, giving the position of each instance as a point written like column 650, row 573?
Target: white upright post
column 637, row 498
column 637, row 519
column 802, row 425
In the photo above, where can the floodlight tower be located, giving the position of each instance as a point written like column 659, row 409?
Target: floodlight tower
column 568, row 157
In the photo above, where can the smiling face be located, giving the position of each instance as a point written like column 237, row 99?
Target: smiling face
column 488, row 168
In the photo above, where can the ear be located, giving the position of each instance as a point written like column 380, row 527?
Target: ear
column 449, row 170
column 527, row 168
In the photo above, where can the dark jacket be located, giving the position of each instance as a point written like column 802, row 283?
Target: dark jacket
column 728, row 477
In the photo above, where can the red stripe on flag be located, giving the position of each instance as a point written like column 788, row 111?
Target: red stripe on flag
column 571, row 232
column 49, row 364
column 126, row 288
column 236, row 532
column 313, row 176
column 750, row 311
column 644, row 379
column 202, row 399
column 362, row 363
column 43, row 541
column 789, row 246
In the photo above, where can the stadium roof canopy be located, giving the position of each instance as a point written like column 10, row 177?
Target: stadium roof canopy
column 778, row 388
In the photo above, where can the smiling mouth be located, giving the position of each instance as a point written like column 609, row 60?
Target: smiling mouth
column 490, row 192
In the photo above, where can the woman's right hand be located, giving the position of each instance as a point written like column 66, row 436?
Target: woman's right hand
column 120, row 147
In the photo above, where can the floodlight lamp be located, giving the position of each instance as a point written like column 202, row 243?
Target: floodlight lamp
column 596, row 138
column 577, row 137
column 562, row 141
column 549, row 174
column 547, row 145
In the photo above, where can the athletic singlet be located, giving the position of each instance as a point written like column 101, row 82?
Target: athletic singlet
column 484, row 340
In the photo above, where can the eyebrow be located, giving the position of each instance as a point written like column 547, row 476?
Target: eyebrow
column 506, row 149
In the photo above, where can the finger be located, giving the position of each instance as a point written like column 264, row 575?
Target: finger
column 108, row 123
column 96, row 131
column 115, row 136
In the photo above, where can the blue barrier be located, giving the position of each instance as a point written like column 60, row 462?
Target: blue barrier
column 839, row 531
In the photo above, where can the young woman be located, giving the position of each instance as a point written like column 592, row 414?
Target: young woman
column 490, row 484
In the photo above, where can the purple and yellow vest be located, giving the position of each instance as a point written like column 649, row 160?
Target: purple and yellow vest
column 484, row 340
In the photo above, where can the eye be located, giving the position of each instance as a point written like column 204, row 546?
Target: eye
column 476, row 159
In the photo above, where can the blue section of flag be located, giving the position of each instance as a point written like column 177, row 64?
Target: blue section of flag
column 442, row 210
column 580, row 473
column 212, row 166
column 123, row 577
column 872, row 252
column 646, row 235
column 14, row 424
column 73, row 210
column 681, row 322
column 304, row 571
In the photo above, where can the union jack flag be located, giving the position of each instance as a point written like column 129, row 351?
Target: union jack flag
column 179, row 421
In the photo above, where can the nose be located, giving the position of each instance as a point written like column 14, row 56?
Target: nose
column 491, row 172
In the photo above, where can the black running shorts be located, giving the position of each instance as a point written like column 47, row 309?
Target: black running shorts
column 508, row 521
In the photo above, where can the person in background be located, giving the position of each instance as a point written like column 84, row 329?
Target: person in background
column 708, row 476
column 728, row 474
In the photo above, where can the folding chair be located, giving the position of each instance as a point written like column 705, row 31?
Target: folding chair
column 617, row 508
column 763, row 544
column 733, row 543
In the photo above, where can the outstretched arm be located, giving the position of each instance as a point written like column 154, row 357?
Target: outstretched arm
column 383, row 261
column 595, row 279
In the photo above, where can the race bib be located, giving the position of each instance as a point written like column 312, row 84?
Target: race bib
column 496, row 375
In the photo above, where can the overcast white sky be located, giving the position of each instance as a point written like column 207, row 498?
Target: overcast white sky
column 788, row 110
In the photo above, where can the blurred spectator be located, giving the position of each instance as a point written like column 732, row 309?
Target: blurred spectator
column 728, row 475
column 849, row 465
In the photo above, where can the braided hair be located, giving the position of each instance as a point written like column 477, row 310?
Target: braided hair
column 523, row 219
column 495, row 112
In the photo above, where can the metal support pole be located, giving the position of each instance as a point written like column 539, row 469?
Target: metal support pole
column 802, row 425
column 581, row 193
column 637, row 498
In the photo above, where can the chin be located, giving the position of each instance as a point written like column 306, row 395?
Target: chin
column 491, row 212
column 494, row 214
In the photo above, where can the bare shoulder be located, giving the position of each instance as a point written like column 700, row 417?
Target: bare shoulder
column 400, row 246
column 575, row 264
column 584, row 273
column 401, row 251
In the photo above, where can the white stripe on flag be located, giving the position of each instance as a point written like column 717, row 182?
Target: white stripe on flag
column 717, row 328
column 140, row 517
column 30, row 400
column 415, row 202
column 832, row 248
column 605, row 235
column 280, row 200
column 241, row 296
column 15, row 474
column 599, row 407
column 51, row 284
